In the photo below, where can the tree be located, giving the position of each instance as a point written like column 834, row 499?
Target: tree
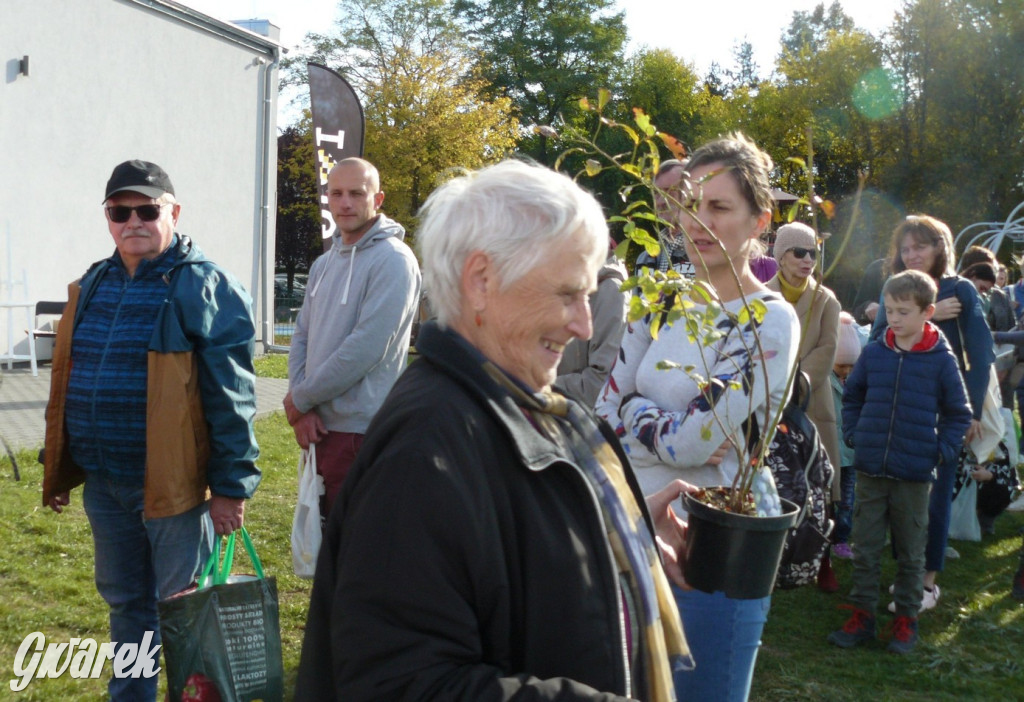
column 425, row 107
column 666, row 88
column 960, row 133
column 298, row 214
column 544, row 55
column 714, row 81
column 810, row 30
column 745, row 75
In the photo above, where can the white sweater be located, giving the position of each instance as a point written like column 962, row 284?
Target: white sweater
column 665, row 423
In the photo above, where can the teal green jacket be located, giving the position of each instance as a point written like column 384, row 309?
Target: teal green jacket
column 201, row 390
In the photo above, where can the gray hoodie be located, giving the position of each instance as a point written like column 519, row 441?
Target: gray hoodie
column 352, row 333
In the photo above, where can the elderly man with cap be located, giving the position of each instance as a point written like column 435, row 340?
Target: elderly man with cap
column 151, row 407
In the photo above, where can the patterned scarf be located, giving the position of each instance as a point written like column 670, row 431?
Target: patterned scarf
column 564, row 422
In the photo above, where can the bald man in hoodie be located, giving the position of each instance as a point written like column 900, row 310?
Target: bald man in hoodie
column 352, row 333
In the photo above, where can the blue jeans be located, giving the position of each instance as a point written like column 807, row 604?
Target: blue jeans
column 138, row 561
column 724, row 635
column 844, row 512
column 940, row 501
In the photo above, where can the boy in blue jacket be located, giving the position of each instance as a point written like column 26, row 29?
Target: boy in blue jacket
column 905, row 411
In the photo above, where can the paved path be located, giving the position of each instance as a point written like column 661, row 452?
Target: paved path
column 23, row 404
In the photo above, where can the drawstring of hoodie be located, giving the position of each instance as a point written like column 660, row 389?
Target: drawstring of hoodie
column 348, row 282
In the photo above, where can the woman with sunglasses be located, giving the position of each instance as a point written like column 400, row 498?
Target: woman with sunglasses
column 796, row 250
column 925, row 244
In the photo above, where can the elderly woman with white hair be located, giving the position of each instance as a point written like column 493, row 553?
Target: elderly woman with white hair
column 490, row 541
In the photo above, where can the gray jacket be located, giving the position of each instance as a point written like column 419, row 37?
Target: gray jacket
column 352, row 333
column 585, row 364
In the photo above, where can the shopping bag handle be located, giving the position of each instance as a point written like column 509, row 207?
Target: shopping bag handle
column 221, row 568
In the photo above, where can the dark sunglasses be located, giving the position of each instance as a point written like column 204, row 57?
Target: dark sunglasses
column 119, row 214
column 797, row 251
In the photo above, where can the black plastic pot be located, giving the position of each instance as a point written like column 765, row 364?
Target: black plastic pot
column 734, row 553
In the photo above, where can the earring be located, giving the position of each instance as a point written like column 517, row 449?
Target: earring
column 479, row 322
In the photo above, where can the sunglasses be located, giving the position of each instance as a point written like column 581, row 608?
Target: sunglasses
column 119, row 214
column 797, row 251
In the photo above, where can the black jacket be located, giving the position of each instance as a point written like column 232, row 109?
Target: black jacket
column 465, row 557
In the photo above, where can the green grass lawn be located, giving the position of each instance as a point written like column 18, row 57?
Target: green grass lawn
column 972, row 644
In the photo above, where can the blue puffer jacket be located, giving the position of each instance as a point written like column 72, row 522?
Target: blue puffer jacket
column 905, row 412
column 967, row 334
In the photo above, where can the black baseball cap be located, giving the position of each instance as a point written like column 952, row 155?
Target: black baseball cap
column 139, row 177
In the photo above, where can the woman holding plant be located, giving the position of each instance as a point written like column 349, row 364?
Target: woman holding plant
column 735, row 345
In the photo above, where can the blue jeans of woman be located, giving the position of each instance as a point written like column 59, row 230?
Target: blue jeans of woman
column 939, row 503
column 724, row 635
column 844, row 511
column 138, row 561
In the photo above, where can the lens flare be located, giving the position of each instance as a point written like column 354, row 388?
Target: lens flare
column 877, row 94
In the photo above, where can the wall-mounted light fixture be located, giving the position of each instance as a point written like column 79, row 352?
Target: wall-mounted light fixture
column 23, row 65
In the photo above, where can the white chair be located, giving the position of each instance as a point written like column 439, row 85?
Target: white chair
column 44, row 308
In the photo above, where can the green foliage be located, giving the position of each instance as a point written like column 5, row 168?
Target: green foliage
column 929, row 110
column 961, row 67
column 424, row 103
column 298, row 208
column 808, row 31
column 544, row 56
column 272, row 365
column 666, row 87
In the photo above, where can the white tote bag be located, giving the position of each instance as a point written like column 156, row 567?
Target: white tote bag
column 992, row 427
column 306, row 530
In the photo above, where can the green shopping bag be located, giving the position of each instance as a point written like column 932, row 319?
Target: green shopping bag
column 225, row 632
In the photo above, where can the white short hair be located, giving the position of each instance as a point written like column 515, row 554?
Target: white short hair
column 515, row 212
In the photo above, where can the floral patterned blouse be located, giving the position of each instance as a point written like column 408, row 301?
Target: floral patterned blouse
column 663, row 419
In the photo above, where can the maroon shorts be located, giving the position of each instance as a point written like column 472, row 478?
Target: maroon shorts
column 335, row 454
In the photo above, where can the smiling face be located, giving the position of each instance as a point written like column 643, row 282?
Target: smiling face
column 726, row 212
column 796, row 269
column 137, row 240
column 526, row 326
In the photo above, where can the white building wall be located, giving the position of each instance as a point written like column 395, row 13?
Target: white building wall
column 112, row 80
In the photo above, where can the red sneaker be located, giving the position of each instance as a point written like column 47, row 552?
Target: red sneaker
column 904, row 635
column 860, row 627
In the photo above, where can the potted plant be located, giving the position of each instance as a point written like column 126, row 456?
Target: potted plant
column 746, row 521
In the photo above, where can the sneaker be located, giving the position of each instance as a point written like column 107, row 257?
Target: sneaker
column 842, row 550
column 827, row 578
column 1018, row 584
column 860, row 627
column 930, row 599
column 952, row 553
column 904, row 635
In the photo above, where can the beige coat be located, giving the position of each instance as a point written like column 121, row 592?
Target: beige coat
column 818, row 310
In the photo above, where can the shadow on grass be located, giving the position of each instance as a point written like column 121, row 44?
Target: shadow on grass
column 969, row 646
